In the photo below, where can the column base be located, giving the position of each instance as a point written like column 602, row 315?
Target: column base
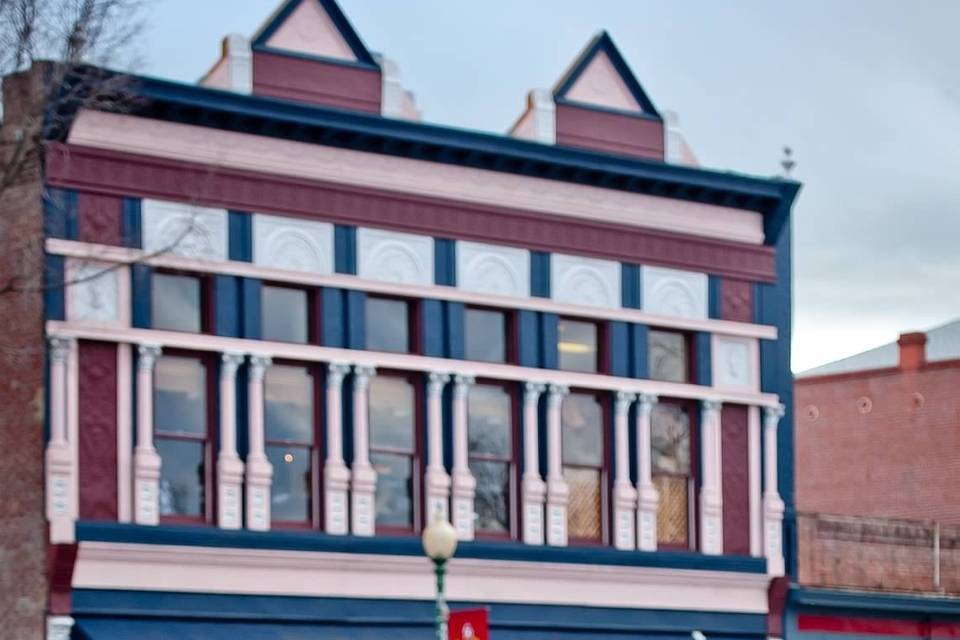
column 557, row 500
column 146, row 486
column 624, row 516
column 711, row 524
column 362, row 505
column 773, row 509
column 336, row 482
column 534, row 493
column 59, row 627
column 61, row 510
column 259, row 475
column 648, row 499
column 437, row 489
column 464, row 491
column 229, row 492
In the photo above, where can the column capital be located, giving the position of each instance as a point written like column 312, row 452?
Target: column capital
column 647, row 400
column 228, row 364
column 711, row 404
column 147, row 355
column 362, row 374
column 623, row 400
column 335, row 373
column 556, row 392
column 258, row 366
column 435, row 382
column 532, row 391
column 462, row 384
column 774, row 413
column 59, row 347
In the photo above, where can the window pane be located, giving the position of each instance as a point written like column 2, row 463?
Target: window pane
column 582, row 430
column 584, row 512
column 489, row 424
column 175, row 302
column 485, row 335
column 577, row 345
column 491, row 502
column 391, row 413
column 179, row 396
column 387, row 325
column 673, row 509
column 284, row 314
column 670, row 439
column 182, row 477
column 291, row 489
column 668, row 356
column 394, row 489
column 288, row 404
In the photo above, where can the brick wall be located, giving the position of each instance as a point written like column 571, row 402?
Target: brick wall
column 23, row 584
column 880, row 443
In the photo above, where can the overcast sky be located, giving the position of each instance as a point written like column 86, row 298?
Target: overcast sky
column 867, row 93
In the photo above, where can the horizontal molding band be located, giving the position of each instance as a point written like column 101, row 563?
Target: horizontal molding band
column 128, row 174
column 123, row 255
column 402, row 361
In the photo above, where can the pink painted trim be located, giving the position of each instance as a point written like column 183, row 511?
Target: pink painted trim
column 753, row 456
column 610, row 132
column 249, row 270
column 325, row 83
column 600, row 84
column 309, row 30
column 73, row 420
column 402, row 361
column 124, row 432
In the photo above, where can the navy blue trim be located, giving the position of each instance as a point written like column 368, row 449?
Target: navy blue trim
column 345, row 249
column 603, row 42
column 332, row 328
column 60, row 213
column 618, row 346
column 336, row 16
column 243, row 428
column 131, row 223
column 432, row 334
column 54, row 279
column 141, row 299
column 251, row 290
column 355, row 320
column 528, row 338
column 240, row 234
column 455, row 319
column 703, row 359
column 226, row 300
column 161, row 606
column 715, row 297
column 540, row 274
column 549, row 331
column 873, row 602
column 640, row 336
column 630, row 285
column 445, row 261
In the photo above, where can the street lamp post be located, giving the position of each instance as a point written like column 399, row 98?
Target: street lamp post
column 439, row 543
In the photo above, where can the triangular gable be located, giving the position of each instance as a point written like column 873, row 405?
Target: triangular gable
column 313, row 28
column 601, row 77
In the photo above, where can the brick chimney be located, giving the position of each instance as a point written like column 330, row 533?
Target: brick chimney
column 912, row 350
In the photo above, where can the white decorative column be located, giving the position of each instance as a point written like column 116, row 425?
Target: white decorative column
column 336, row 476
column 146, row 462
column 229, row 465
column 754, row 459
column 464, row 485
column 557, row 492
column 772, row 503
column 648, row 498
column 624, row 495
column 363, row 476
column 124, row 433
column 436, row 480
column 259, row 469
column 60, row 462
column 711, row 492
column 59, row 627
column 534, row 489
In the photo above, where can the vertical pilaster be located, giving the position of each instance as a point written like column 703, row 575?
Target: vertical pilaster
column 229, row 465
column 772, row 503
column 557, row 491
column 711, row 495
column 146, row 462
column 754, row 459
column 464, row 485
column 436, row 480
column 336, row 476
column 259, row 469
column 60, row 461
column 124, row 433
column 534, row 489
column 624, row 495
column 363, row 476
column 648, row 497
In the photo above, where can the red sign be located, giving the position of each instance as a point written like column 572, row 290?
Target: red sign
column 468, row 624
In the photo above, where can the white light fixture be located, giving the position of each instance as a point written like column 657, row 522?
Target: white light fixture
column 439, row 540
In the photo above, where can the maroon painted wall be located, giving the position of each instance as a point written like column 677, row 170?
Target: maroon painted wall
column 736, row 300
column 736, row 480
column 609, row 132
column 99, row 218
column 122, row 174
column 97, row 462
column 325, row 83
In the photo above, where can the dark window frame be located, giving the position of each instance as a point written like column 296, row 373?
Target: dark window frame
column 511, row 338
column 694, row 478
column 208, row 305
column 602, row 356
column 606, row 479
column 414, row 345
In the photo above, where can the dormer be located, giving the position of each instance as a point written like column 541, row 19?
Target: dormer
column 597, row 104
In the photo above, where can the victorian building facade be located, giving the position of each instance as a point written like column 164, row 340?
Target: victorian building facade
column 297, row 323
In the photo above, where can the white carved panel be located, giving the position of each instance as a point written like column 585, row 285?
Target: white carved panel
column 671, row 292
column 184, row 229
column 586, row 281
column 392, row 256
column 97, row 292
column 292, row 243
column 735, row 363
column 491, row 268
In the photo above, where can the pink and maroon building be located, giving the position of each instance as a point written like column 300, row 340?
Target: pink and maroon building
column 299, row 323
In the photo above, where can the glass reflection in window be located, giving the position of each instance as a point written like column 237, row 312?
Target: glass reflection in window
column 485, row 335
column 175, row 303
column 670, row 441
column 284, row 314
column 577, row 346
column 393, row 449
column 582, row 449
column 289, row 435
column 668, row 356
column 387, row 325
column 490, row 454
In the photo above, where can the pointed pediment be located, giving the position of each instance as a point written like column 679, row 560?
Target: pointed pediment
column 600, row 77
column 313, row 28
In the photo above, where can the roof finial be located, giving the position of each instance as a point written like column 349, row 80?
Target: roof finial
column 788, row 163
